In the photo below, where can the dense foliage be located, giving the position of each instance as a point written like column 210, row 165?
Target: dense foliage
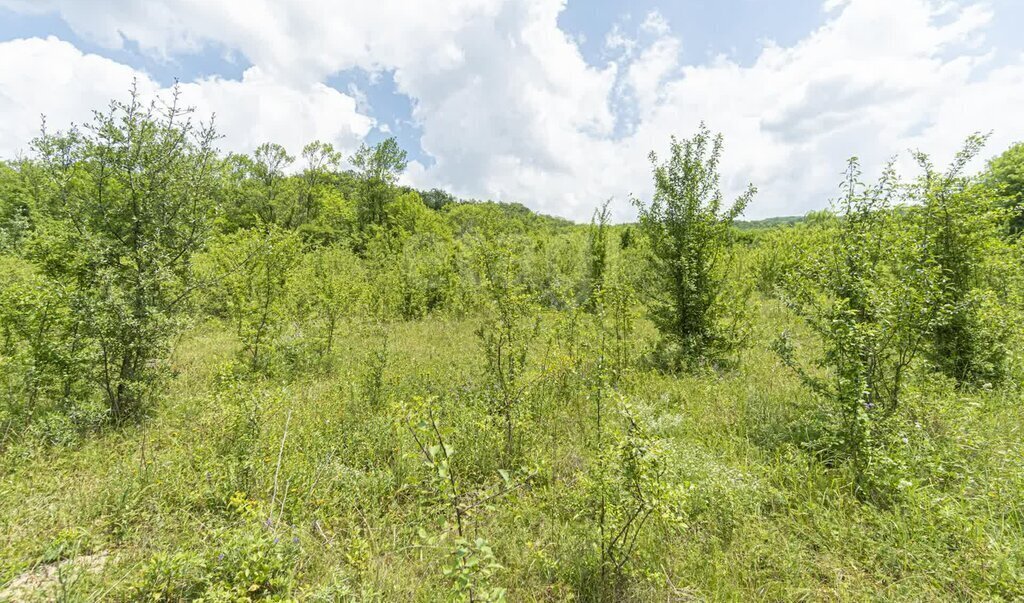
column 1006, row 176
column 264, row 376
column 687, row 230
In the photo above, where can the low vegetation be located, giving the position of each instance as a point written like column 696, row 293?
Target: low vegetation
column 233, row 378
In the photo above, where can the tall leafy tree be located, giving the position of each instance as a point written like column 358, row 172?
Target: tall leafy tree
column 1006, row 176
column 378, row 168
column 437, row 198
column 124, row 203
column 857, row 288
column 688, row 230
column 15, row 219
column 249, row 271
column 597, row 256
column 321, row 161
column 961, row 237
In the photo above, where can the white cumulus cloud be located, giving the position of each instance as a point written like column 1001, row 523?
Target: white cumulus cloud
column 509, row 108
column 52, row 78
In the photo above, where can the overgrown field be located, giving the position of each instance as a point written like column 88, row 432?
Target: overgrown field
column 226, row 382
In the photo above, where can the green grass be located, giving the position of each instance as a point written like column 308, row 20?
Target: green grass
column 308, row 485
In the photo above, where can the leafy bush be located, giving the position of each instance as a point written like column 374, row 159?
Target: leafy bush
column 329, row 286
column 597, row 256
column 378, row 168
column 689, row 232
column 15, row 205
column 248, row 563
column 508, row 329
column 43, row 361
column 124, row 204
column 961, row 228
column 1006, row 176
column 248, row 273
column 858, row 293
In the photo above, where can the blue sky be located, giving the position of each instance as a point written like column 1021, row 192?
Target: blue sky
column 733, row 27
column 211, row 60
column 551, row 104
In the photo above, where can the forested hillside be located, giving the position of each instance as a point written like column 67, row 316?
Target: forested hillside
column 270, row 376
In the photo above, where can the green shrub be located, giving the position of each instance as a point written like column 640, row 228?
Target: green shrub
column 509, row 326
column 328, row 287
column 858, row 292
column 688, row 233
column 961, row 231
column 597, row 256
column 247, row 273
column 1005, row 174
column 123, row 205
column 247, row 563
column 378, row 168
column 44, row 359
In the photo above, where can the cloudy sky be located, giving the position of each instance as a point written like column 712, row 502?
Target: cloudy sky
column 550, row 103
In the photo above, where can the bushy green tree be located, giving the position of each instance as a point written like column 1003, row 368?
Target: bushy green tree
column 15, row 218
column 43, row 353
column 1006, row 175
column 858, row 289
column 554, row 268
column 437, row 198
column 329, row 286
column 335, row 222
column 321, row 161
column 428, row 277
column 123, row 204
column 776, row 253
column 510, row 325
column 960, row 226
column 688, row 232
column 631, row 490
column 597, row 256
column 247, row 274
column 406, row 215
column 257, row 188
column 378, row 168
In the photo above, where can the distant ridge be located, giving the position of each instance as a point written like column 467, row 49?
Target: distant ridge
column 768, row 222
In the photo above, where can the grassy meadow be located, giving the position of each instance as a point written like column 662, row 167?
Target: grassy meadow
column 223, row 381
